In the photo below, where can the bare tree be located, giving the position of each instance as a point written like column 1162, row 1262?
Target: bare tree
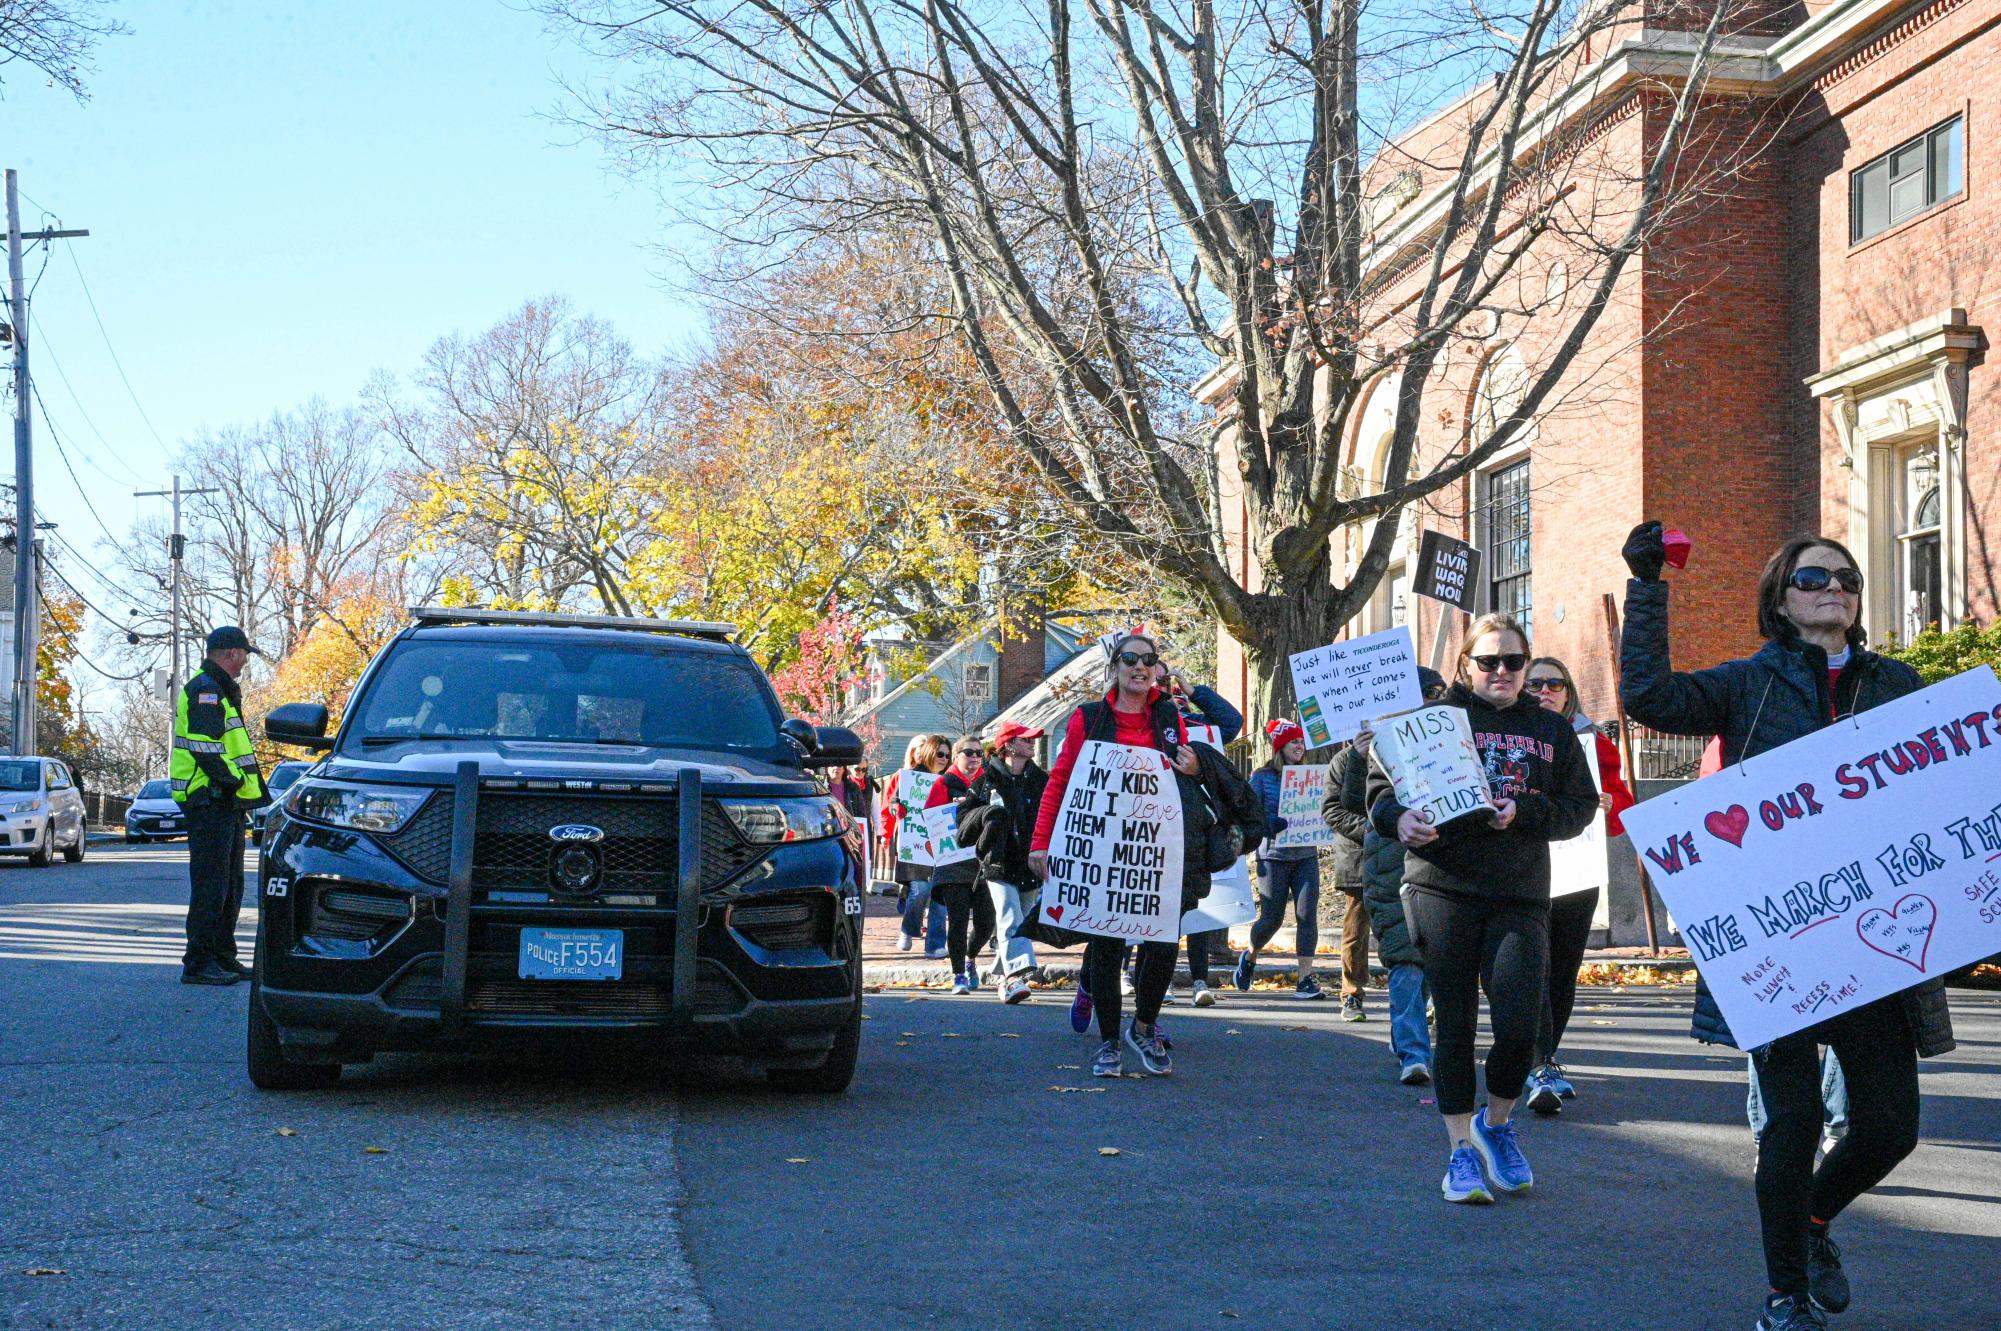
column 57, row 37
column 1122, row 194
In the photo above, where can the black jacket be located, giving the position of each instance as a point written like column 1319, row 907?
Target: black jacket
column 1532, row 758
column 1351, row 826
column 1379, row 859
column 1772, row 697
column 957, row 788
column 997, row 817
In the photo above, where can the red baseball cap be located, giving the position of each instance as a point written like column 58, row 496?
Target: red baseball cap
column 1016, row 730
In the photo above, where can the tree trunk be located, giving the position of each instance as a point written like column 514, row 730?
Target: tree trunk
column 1290, row 620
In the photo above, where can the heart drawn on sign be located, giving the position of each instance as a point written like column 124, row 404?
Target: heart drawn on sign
column 1054, row 912
column 1729, row 825
column 1903, row 929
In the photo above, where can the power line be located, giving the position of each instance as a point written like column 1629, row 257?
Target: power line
column 84, row 562
column 77, row 652
column 63, row 453
column 92, row 302
column 47, row 348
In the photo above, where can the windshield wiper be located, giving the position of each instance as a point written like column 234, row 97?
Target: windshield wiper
column 376, row 741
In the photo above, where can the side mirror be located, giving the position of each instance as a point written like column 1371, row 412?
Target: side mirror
column 300, row 724
column 802, row 734
column 835, row 746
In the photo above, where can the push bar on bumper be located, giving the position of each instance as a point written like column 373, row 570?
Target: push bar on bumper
column 458, row 899
column 688, row 900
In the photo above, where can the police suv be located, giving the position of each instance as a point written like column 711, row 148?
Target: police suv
column 558, row 826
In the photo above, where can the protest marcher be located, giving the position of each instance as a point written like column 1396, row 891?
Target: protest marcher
column 1346, row 808
column 852, row 788
column 1549, row 682
column 997, row 817
column 921, row 915
column 1476, row 893
column 216, row 783
column 1133, row 712
column 1288, row 875
column 969, row 912
column 1814, row 669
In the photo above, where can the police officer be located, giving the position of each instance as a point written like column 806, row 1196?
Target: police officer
column 215, row 781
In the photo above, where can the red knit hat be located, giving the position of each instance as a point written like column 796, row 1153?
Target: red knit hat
column 1282, row 732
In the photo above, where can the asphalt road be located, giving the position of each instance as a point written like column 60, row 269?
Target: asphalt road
column 1281, row 1178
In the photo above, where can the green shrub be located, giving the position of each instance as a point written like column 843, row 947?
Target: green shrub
column 1938, row 656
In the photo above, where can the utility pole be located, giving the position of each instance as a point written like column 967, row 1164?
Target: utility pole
column 176, row 547
column 27, row 604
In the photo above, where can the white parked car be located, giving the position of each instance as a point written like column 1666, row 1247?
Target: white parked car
column 41, row 810
column 154, row 815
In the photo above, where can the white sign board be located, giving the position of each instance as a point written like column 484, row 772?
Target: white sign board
column 1345, row 685
column 1431, row 760
column 1115, row 853
column 1301, row 791
column 913, row 841
column 941, row 829
column 1840, row 868
column 1582, row 864
column 1232, row 900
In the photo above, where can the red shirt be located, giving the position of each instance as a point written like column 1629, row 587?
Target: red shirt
column 1134, row 728
column 1613, row 782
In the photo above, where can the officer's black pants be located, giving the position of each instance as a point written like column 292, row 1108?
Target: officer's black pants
column 215, row 880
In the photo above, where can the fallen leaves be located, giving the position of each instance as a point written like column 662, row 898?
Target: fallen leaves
column 1066, row 1090
column 903, row 1044
column 1007, row 1035
column 1232, row 1031
column 375, row 1150
column 288, row 1132
column 1069, row 1067
column 798, row 1160
column 1108, row 1150
column 45, row 1271
column 1600, row 1021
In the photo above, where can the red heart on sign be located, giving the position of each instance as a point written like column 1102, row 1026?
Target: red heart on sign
column 1054, row 913
column 1901, row 930
column 1729, row 825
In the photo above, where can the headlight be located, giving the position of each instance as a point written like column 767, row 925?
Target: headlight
column 363, row 808
column 25, row 806
column 768, row 822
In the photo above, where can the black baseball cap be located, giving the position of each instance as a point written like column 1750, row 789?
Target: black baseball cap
column 228, row 636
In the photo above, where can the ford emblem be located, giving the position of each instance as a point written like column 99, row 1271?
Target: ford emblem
column 576, row 832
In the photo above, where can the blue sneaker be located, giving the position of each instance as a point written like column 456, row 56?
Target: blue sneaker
column 1247, row 966
column 972, row 976
column 1080, row 1010
column 1506, row 1164
column 1462, row 1179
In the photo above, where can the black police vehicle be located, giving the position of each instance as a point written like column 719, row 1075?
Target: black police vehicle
column 551, row 826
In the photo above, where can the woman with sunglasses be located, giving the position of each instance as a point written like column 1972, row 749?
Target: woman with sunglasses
column 1570, row 914
column 1134, row 712
column 1476, row 894
column 1813, row 670
column 922, row 917
column 955, row 884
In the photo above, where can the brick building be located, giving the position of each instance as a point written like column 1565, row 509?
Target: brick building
column 1804, row 352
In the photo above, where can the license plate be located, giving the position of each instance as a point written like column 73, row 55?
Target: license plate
column 170, row 824
column 572, row 954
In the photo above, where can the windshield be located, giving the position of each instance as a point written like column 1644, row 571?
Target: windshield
column 581, row 692
column 156, row 790
column 283, row 775
column 20, row 776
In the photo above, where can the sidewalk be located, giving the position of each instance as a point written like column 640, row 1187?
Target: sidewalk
column 883, row 964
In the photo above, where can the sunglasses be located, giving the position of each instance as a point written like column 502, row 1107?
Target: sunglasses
column 1508, row 661
column 1814, row 578
column 1134, row 658
column 1542, row 685
column 972, row 753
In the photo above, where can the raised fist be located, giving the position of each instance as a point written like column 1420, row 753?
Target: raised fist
column 1645, row 552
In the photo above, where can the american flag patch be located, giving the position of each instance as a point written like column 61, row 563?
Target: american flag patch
column 209, row 698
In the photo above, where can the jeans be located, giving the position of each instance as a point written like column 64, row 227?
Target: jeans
column 1833, row 1098
column 1296, row 881
column 1013, row 907
column 1410, row 1034
column 919, row 906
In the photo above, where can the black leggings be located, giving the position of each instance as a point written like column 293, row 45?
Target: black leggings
column 965, row 903
column 1569, row 929
column 1199, row 946
column 1470, row 943
column 1880, row 1062
column 1152, row 970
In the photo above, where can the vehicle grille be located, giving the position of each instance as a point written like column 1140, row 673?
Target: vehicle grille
column 511, row 847
column 795, row 922
column 340, row 912
column 716, row 994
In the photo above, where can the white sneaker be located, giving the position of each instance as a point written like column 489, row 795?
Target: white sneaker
column 904, row 942
column 1168, row 999
column 936, row 954
column 1016, row 991
column 1204, row 995
column 1125, row 984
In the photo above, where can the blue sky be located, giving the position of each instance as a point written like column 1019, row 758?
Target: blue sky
column 285, row 198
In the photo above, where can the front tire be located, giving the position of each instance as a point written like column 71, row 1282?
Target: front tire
column 40, row 856
column 269, row 1069
column 833, row 1076
column 74, row 854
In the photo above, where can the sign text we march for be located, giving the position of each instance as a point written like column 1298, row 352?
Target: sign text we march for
column 1843, row 867
column 1115, row 854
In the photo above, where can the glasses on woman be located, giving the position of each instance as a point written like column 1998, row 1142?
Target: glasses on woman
column 1136, row 658
column 1814, row 578
column 972, row 753
column 1508, row 661
column 1545, row 684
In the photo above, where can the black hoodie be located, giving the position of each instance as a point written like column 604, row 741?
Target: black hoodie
column 1532, row 758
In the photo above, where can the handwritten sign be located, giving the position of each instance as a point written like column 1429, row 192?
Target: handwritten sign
column 1232, row 900
column 1301, row 790
column 1581, row 864
column 1845, row 866
column 1343, row 686
column 913, row 839
column 1448, row 570
column 941, row 829
column 1115, row 854
column 1430, row 758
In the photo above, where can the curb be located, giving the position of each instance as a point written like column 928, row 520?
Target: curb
column 935, row 974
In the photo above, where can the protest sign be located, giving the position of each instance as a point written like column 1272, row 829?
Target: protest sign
column 1300, row 792
column 1448, row 569
column 1581, row 863
column 1115, row 853
column 913, row 839
column 941, row 828
column 1845, row 866
column 1231, row 900
column 1430, row 759
column 1343, row 686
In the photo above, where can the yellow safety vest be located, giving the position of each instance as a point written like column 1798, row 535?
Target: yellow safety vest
column 206, row 721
